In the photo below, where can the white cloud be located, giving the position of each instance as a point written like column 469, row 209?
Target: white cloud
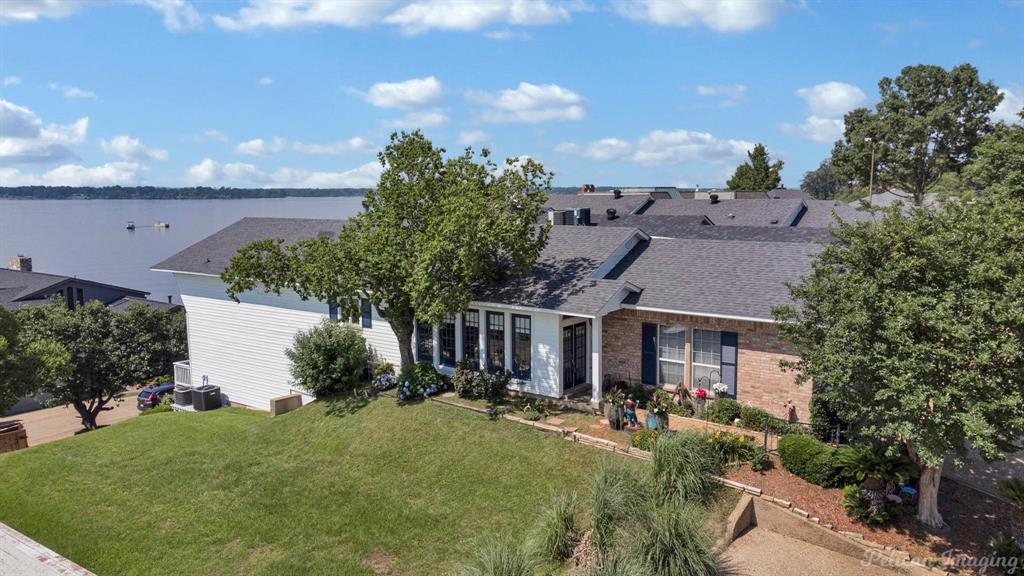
column 607, row 149
column 531, row 103
column 12, row 80
column 25, row 140
column 721, row 15
column 832, row 99
column 72, row 91
column 675, row 147
column 1009, row 109
column 728, row 95
column 419, row 119
column 178, row 14
column 215, row 135
column 413, row 93
column 418, row 17
column 354, row 144
column 567, row 148
column 265, row 81
column 109, row 174
column 817, row 129
column 410, row 17
column 827, row 103
column 209, row 172
column 130, row 148
column 473, row 137
column 261, row 147
column 305, row 13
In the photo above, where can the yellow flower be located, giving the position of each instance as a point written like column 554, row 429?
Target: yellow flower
column 741, row 439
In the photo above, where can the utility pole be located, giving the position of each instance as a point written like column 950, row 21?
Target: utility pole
column 871, row 176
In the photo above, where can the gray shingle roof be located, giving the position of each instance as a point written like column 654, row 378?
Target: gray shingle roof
column 719, row 277
column 690, row 227
column 744, row 212
column 819, row 214
column 19, row 288
column 212, row 254
column 561, row 278
column 598, row 203
column 123, row 304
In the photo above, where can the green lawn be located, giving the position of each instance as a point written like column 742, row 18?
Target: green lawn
column 328, row 489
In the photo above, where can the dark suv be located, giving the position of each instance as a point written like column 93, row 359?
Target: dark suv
column 151, row 396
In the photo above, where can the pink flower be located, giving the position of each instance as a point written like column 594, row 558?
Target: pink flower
column 700, row 393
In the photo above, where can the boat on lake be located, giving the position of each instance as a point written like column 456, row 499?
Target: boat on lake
column 161, row 225
column 130, row 225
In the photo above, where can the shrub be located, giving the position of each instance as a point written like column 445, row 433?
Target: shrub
column 686, row 408
column 730, row 448
column 1008, row 553
column 384, row 377
column 621, row 565
column 672, row 540
column 824, row 419
column 500, row 556
column 724, row 411
column 682, row 466
column 162, row 407
column 854, row 464
column 473, row 384
column 531, row 415
column 661, row 402
column 759, row 459
column 641, row 393
column 1012, row 489
column 419, row 381
column 330, row 358
column 859, row 504
column 753, row 418
column 643, row 438
column 808, row 458
column 556, row 534
column 617, row 493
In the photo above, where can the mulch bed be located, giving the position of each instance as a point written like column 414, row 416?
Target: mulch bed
column 972, row 517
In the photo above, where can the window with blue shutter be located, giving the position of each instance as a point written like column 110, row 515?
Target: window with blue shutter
column 332, row 310
column 730, row 342
column 649, row 354
column 367, row 312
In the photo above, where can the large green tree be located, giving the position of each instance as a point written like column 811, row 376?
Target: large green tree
column 759, row 173
column 25, row 366
column 927, row 122
column 927, row 349
column 999, row 164
column 433, row 232
column 822, row 182
column 108, row 351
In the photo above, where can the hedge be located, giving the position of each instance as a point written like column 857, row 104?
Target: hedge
column 808, row 458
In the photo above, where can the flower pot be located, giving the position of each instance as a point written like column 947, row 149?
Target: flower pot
column 657, row 421
column 614, row 413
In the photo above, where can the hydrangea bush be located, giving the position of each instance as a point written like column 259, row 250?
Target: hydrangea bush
column 419, row 381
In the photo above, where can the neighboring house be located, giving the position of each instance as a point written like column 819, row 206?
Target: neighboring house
column 20, row 286
column 602, row 304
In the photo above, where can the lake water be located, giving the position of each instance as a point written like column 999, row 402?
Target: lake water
column 87, row 238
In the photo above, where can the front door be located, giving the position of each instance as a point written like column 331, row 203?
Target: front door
column 574, row 355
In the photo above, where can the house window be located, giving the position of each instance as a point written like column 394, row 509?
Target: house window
column 424, row 342
column 471, row 338
column 69, row 298
column 367, row 312
column 495, row 341
column 448, row 340
column 671, row 354
column 521, row 348
column 707, row 358
column 332, row 310
column 80, row 295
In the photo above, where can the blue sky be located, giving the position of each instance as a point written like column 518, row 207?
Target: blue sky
column 176, row 92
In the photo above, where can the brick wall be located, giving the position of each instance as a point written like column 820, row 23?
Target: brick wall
column 760, row 381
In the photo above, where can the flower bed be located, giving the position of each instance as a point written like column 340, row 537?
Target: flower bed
column 973, row 517
column 684, row 423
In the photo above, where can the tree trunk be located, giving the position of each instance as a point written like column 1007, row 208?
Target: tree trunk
column 928, row 491
column 403, row 332
column 928, row 497
column 87, row 416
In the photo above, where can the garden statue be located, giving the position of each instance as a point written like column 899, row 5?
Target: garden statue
column 629, row 408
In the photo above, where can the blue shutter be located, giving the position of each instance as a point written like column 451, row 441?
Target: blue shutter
column 332, row 310
column 649, row 354
column 367, row 312
column 730, row 340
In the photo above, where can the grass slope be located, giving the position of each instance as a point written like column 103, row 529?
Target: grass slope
column 328, row 489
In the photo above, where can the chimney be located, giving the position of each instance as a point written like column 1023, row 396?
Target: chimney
column 21, row 262
column 587, row 189
column 713, row 198
column 169, row 299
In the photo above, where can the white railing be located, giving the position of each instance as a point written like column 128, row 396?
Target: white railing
column 183, row 373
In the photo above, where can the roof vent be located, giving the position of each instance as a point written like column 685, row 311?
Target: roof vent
column 713, row 198
column 617, row 193
column 612, row 213
column 730, row 216
column 774, row 221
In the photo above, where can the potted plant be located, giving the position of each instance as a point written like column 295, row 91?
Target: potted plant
column 700, row 395
column 613, row 402
column 720, row 389
column 657, row 410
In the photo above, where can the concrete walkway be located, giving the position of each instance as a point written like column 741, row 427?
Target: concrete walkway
column 760, row 551
column 51, row 424
column 22, row 556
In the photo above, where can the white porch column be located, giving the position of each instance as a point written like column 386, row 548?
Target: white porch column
column 597, row 372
